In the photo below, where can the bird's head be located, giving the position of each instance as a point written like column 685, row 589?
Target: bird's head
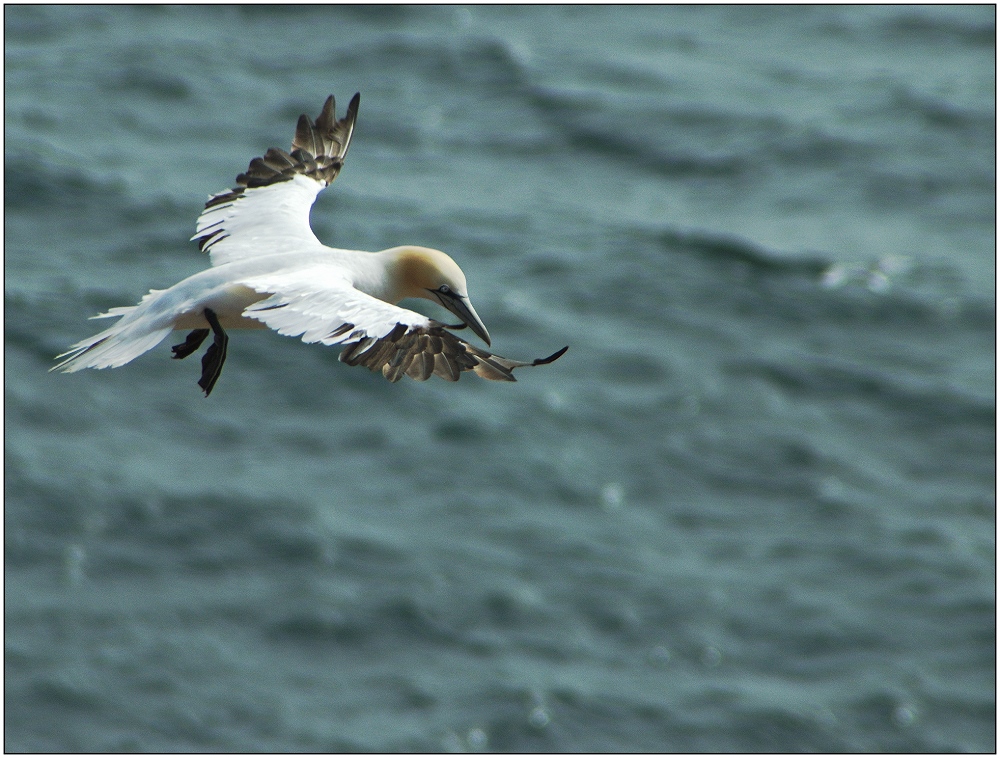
column 433, row 275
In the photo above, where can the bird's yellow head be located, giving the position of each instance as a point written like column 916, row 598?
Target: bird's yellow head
column 433, row 275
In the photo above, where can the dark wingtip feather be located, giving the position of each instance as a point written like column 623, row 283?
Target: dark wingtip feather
column 318, row 151
column 554, row 357
column 328, row 110
column 430, row 351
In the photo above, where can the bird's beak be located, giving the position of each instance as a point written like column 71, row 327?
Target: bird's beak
column 462, row 308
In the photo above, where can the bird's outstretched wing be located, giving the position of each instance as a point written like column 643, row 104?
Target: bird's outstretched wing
column 320, row 305
column 267, row 212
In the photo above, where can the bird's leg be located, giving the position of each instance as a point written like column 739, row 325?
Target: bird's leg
column 192, row 343
column 215, row 356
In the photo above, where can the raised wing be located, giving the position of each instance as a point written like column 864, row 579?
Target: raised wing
column 320, row 305
column 267, row 212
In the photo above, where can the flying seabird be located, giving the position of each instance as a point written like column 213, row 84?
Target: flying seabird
column 269, row 270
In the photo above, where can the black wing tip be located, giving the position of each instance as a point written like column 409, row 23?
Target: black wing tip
column 554, row 357
column 259, row 174
column 329, row 112
column 329, row 109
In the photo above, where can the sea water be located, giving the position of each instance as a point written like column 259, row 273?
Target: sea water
column 751, row 509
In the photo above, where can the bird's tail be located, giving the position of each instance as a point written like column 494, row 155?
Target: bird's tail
column 123, row 342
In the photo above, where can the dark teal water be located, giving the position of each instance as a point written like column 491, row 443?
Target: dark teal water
column 752, row 509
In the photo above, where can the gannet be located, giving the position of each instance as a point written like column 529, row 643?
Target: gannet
column 268, row 269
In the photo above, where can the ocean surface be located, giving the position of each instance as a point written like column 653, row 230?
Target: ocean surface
column 753, row 508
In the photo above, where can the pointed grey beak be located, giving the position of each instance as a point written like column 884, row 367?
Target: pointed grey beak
column 462, row 308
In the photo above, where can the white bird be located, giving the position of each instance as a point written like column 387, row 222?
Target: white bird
column 269, row 270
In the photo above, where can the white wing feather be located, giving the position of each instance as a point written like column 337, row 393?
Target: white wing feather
column 261, row 221
column 267, row 213
column 320, row 304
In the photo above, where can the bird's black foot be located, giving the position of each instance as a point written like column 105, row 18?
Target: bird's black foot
column 192, row 343
column 215, row 356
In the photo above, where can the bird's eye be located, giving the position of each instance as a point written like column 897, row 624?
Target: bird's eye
column 444, row 289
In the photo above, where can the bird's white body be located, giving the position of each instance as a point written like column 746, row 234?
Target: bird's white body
column 269, row 270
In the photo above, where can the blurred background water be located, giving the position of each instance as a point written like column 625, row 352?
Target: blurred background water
column 752, row 509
